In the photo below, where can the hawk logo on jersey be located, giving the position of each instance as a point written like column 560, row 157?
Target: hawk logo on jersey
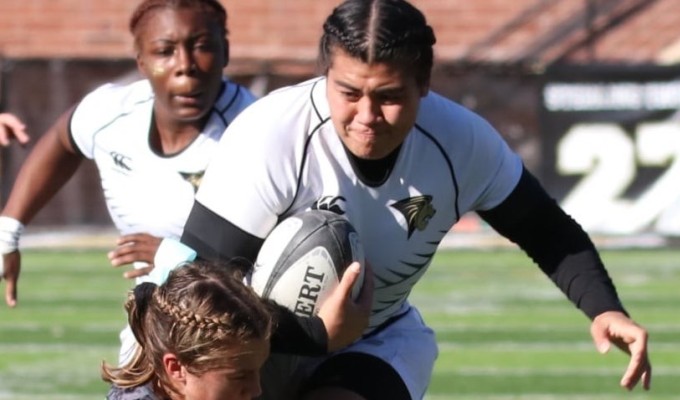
column 330, row 203
column 417, row 210
column 194, row 178
column 120, row 160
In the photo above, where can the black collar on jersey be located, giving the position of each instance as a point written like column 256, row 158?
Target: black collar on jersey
column 373, row 172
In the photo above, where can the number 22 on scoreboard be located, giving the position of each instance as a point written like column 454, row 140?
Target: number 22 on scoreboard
column 608, row 158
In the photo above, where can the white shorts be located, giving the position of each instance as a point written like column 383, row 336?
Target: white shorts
column 407, row 345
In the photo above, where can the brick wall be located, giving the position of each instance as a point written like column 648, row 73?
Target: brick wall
column 272, row 29
column 276, row 31
column 55, row 51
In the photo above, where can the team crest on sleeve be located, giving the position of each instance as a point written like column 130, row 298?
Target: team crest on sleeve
column 330, row 203
column 194, row 178
column 417, row 210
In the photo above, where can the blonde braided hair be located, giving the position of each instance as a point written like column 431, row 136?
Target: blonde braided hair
column 201, row 314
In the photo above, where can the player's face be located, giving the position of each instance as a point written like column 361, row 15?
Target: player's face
column 238, row 381
column 182, row 52
column 373, row 106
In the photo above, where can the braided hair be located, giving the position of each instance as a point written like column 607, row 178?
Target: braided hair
column 201, row 314
column 147, row 7
column 379, row 31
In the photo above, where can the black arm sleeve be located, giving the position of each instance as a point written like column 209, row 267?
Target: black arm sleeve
column 297, row 335
column 214, row 238
column 533, row 220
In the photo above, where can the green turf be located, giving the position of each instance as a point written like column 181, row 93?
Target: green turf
column 505, row 331
column 67, row 322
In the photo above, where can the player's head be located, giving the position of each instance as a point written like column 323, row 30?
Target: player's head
column 148, row 7
column 182, row 48
column 380, row 31
column 377, row 56
column 202, row 335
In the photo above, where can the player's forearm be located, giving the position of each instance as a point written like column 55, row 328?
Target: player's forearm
column 583, row 278
column 43, row 174
column 533, row 220
column 215, row 238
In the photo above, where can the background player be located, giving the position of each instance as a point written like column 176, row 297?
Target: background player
column 203, row 335
column 403, row 164
column 11, row 127
column 150, row 139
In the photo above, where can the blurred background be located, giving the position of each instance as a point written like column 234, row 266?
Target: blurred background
column 587, row 91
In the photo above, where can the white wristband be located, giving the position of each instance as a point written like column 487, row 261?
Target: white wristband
column 10, row 232
column 170, row 255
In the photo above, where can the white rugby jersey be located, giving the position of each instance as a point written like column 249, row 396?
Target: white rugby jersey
column 282, row 156
column 146, row 191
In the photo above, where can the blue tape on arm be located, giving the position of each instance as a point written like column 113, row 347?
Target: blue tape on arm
column 170, row 255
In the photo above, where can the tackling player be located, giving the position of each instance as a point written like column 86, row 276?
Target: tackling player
column 203, row 335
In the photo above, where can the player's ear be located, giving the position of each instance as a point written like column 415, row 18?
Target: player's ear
column 174, row 369
column 421, row 79
column 424, row 87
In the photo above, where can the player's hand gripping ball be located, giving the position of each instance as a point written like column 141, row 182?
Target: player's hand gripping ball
column 303, row 259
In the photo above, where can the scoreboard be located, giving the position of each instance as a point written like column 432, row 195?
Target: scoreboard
column 611, row 146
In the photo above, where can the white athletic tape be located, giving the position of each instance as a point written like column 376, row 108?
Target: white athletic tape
column 170, row 255
column 10, row 233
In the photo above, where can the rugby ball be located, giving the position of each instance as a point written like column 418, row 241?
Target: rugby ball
column 303, row 258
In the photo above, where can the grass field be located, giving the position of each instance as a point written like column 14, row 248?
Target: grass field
column 505, row 331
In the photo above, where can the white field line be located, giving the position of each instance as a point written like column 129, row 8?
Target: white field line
column 33, row 348
column 555, row 346
column 581, row 396
column 559, row 372
column 39, row 326
column 13, row 396
column 536, row 327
